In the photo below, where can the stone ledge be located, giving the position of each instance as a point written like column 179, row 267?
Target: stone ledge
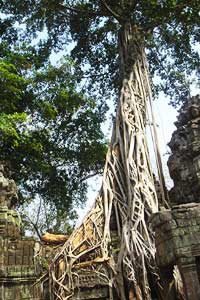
column 17, row 271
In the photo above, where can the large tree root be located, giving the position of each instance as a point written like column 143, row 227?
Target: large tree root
column 115, row 241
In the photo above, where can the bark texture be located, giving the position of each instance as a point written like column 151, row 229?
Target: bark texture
column 126, row 200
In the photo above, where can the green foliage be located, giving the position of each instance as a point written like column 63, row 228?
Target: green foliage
column 8, row 126
column 170, row 30
column 50, row 132
column 55, row 149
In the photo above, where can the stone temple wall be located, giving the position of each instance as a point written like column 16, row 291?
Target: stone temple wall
column 184, row 162
column 177, row 235
column 177, row 230
column 17, row 269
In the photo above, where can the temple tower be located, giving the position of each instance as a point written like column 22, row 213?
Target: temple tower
column 177, row 231
column 17, row 269
column 184, row 162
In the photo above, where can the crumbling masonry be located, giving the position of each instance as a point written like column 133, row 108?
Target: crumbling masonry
column 177, row 231
column 17, row 269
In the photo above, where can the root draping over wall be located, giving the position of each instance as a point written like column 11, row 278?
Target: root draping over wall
column 114, row 246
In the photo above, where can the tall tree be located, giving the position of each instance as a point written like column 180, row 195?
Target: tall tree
column 113, row 42
column 50, row 132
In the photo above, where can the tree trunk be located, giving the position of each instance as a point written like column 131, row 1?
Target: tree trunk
column 138, row 199
column 127, row 197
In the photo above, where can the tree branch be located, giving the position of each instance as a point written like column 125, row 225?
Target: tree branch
column 34, row 226
column 38, row 212
column 77, row 10
column 112, row 12
column 90, row 175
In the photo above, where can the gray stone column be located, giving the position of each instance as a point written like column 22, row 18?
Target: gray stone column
column 177, row 238
column 188, row 269
column 17, row 268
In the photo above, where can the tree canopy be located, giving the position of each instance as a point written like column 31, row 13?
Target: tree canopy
column 93, row 27
column 91, row 30
column 108, row 39
column 50, row 131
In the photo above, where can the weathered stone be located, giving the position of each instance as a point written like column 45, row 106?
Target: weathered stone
column 17, row 269
column 180, row 244
column 8, row 190
column 100, row 293
column 184, row 162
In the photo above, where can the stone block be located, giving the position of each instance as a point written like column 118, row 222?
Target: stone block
column 95, row 293
column 11, row 260
column 19, row 245
column 17, row 271
column 6, row 259
column 19, row 260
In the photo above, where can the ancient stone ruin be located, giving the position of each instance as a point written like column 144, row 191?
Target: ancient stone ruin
column 177, row 234
column 184, row 162
column 177, row 231
column 17, row 269
column 81, row 264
